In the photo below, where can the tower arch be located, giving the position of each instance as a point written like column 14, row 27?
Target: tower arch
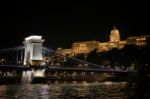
column 33, row 50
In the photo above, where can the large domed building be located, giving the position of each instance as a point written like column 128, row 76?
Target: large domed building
column 114, row 42
column 114, row 35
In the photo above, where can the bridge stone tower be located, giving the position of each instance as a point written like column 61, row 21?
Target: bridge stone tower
column 33, row 50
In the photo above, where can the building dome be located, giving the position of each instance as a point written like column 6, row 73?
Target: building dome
column 114, row 35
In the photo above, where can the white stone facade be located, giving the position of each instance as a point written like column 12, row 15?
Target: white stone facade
column 33, row 50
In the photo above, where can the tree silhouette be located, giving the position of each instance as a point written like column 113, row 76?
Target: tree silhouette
column 93, row 57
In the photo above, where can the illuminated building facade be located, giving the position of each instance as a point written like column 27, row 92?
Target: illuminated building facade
column 138, row 40
column 84, row 47
column 114, row 42
column 79, row 48
column 67, row 52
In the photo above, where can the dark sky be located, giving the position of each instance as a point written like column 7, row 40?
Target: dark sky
column 62, row 23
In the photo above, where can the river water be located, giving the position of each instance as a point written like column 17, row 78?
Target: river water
column 74, row 90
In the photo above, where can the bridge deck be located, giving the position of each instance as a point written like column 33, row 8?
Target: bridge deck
column 15, row 67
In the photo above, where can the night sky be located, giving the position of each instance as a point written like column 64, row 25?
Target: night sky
column 62, row 23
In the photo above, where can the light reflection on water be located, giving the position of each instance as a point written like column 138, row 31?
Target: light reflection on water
column 84, row 90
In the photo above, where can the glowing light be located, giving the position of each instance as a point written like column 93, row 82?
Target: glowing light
column 39, row 73
column 108, row 83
